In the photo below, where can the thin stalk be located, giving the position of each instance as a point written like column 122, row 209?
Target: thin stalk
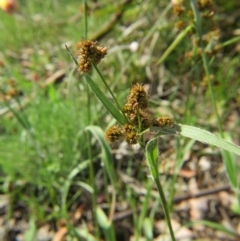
column 89, row 150
column 152, row 158
column 144, row 210
column 177, row 40
column 85, row 20
column 228, row 42
column 94, row 194
column 105, row 83
column 165, row 207
column 205, row 62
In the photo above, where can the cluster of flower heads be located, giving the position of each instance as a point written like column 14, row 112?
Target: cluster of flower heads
column 11, row 91
column 88, row 52
column 138, row 118
column 210, row 29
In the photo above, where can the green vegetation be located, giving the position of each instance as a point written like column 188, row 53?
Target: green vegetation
column 54, row 157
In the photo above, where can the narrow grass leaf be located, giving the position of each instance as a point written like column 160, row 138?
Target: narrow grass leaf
column 112, row 109
column 174, row 44
column 102, row 219
column 230, row 164
column 85, row 235
column 216, row 226
column 207, row 137
column 105, row 224
column 84, row 186
column 31, row 232
column 144, row 209
column 98, row 133
column 152, row 159
column 152, row 156
column 198, row 135
column 80, row 167
column 148, row 228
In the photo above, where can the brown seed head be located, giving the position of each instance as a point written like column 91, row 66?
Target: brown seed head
column 146, row 120
column 205, row 4
column 165, row 121
column 131, row 135
column 178, row 9
column 88, row 53
column 113, row 134
column 138, row 97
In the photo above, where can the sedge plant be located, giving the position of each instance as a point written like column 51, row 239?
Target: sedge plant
column 134, row 120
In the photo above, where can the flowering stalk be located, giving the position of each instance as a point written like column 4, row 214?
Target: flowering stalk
column 136, row 119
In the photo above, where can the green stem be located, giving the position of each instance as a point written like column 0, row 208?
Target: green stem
column 94, row 195
column 144, row 209
column 165, row 208
column 152, row 158
column 205, row 62
column 89, row 150
column 177, row 40
column 85, row 20
column 105, row 83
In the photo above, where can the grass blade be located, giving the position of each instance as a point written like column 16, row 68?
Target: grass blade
column 198, row 135
column 106, row 225
column 112, row 109
column 216, row 226
column 32, row 230
column 98, row 133
column 152, row 159
column 207, row 137
column 230, row 163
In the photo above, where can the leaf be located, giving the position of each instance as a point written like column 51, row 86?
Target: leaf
column 32, row 230
column 112, row 109
column 207, row 137
column 148, row 228
column 199, row 135
column 230, row 163
column 214, row 225
column 152, row 156
column 65, row 188
column 105, row 224
column 98, row 133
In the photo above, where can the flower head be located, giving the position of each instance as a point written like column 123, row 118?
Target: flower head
column 130, row 133
column 164, row 121
column 89, row 53
column 113, row 134
column 138, row 97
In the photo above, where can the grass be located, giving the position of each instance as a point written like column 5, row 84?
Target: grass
column 53, row 156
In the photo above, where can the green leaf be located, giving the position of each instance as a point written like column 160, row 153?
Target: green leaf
column 148, row 228
column 106, row 225
column 65, row 188
column 98, row 133
column 112, row 109
column 210, row 224
column 152, row 156
column 83, row 234
column 102, row 219
column 230, row 164
column 174, row 44
column 207, row 137
column 31, row 231
column 199, row 135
